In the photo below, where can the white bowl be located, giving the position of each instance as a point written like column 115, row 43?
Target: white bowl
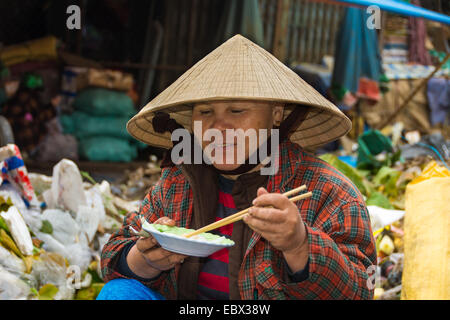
column 183, row 245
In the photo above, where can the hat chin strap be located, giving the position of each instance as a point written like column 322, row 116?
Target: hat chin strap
column 162, row 123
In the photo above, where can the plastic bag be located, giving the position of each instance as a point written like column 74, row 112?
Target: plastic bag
column 40, row 182
column 18, row 230
column 381, row 217
column 431, row 170
column 67, row 190
column 426, row 273
column 12, row 287
column 104, row 102
column 91, row 215
column 11, row 262
column 104, row 148
column 14, row 171
column 83, row 125
column 51, row 269
column 65, row 228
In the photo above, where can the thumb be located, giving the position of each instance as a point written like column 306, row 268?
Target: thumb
column 261, row 191
column 166, row 221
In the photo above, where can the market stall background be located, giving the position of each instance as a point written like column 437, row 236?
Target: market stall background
column 71, row 171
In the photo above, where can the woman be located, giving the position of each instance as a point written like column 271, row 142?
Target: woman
column 319, row 248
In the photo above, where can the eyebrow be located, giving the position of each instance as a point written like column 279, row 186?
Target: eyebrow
column 208, row 103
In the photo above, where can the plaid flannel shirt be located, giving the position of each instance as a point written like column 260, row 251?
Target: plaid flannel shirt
column 341, row 245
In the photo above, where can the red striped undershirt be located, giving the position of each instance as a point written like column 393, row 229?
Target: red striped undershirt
column 213, row 278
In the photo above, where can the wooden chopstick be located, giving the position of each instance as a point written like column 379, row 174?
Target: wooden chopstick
column 239, row 215
column 293, row 199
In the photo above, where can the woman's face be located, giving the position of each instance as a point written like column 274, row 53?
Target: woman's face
column 229, row 152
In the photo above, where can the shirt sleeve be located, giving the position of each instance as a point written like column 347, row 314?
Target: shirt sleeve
column 151, row 210
column 124, row 268
column 339, row 257
column 298, row 276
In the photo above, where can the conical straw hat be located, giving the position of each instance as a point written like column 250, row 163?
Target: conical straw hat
column 241, row 70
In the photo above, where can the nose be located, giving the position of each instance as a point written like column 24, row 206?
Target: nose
column 221, row 123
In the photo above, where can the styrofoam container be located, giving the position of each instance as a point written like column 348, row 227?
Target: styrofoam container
column 182, row 245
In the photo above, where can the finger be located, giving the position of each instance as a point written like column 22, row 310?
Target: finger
column 144, row 244
column 261, row 191
column 176, row 258
column 275, row 200
column 166, row 221
column 159, row 254
column 261, row 226
column 271, row 215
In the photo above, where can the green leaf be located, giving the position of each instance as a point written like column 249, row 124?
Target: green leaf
column 36, row 250
column 5, row 204
column 387, row 177
column 46, row 227
column 9, row 243
column 86, row 294
column 3, row 225
column 48, row 292
column 88, row 177
column 378, row 199
column 348, row 171
column 34, row 292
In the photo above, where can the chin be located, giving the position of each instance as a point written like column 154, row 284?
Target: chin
column 226, row 167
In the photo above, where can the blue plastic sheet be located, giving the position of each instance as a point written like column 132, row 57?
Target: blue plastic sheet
column 402, row 8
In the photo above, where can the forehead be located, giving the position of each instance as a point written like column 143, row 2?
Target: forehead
column 225, row 104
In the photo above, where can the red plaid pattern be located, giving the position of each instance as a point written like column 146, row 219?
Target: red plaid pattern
column 341, row 245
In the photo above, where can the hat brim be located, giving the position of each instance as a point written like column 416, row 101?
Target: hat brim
column 320, row 127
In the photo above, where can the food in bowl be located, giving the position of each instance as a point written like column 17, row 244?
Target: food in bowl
column 180, row 232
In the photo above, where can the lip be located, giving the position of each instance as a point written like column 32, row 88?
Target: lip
column 224, row 146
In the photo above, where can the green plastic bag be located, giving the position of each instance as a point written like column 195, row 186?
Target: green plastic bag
column 104, row 102
column 67, row 123
column 83, row 125
column 103, row 148
column 371, row 144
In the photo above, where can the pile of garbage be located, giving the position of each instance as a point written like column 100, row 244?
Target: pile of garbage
column 134, row 184
column 381, row 167
column 52, row 230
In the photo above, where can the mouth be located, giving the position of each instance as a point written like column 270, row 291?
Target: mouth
column 223, row 145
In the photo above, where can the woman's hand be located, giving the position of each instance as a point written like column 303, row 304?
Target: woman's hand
column 147, row 259
column 281, row 225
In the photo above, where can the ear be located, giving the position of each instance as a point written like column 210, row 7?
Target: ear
column 277, row 114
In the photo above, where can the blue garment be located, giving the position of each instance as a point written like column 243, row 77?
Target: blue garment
column 438, row 94
column 127, row 289
column 356, row 53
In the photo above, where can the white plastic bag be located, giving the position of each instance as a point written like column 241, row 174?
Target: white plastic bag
column 65, row 228
column 19, row 230
column 51, row 268
column 380, row 217
column 12, row 287
column 91, row 215
column 11, row 262
column 67, row 190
